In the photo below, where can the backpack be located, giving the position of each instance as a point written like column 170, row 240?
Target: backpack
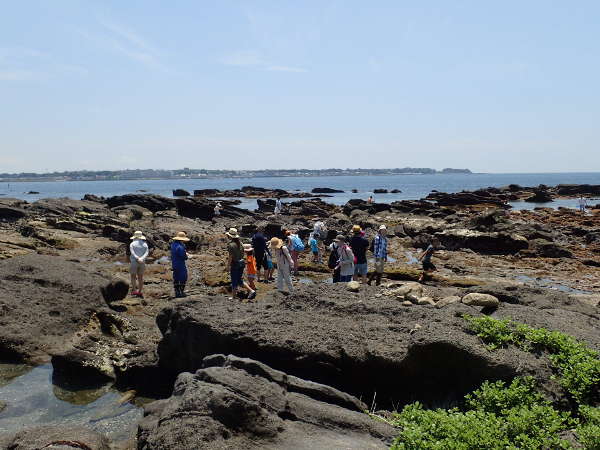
column 333, row 259
column 297, row 243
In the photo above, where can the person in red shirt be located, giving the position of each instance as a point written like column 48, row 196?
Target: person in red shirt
column 250, row 265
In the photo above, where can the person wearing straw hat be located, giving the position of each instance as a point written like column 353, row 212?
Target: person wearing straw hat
column 285, row 264
column 178, row 258
column 139, row 252
column 237, row 264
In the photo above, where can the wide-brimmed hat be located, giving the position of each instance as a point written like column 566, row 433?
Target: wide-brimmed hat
column 382, row 227
column 356, row 229
column 340, row 238
column 276, row 243
column 138, row 235
column 233, row 233
column 248, row 248
column 181, row 236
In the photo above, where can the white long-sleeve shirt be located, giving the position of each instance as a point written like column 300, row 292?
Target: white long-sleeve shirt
column 139, row 250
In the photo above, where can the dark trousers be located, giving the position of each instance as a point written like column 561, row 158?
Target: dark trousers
column 179, row 287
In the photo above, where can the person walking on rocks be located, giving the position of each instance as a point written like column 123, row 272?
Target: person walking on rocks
column 359, row 247
column 285, row 264
column 582, row 204
column 278, row 206
column 295, row 246
column 332, row 262
column 178, row 258
column 379, row 249
column 314, row 248
column 237, row 263
column 428, row 266
column 259, row 244
column 250, row 265
column 139, row 252
column 346, row 259
column 217, row 209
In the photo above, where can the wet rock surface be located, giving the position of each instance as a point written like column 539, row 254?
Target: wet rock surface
column 234, row 402
column 55, row 438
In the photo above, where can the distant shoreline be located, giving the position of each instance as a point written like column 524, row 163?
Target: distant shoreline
column 217, row 177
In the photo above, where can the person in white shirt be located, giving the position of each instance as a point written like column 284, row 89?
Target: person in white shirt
column 582, row 204
column 278, row 206
column 139, row 253
column 285, row 264
column 218, row 209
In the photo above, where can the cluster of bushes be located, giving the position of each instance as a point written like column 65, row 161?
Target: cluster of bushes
column 515, row 415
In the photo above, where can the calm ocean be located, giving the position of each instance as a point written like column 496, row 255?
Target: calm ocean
column 412, row 186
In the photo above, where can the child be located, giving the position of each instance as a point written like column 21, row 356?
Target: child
column 270, row 267
column 314, row 248
column 428, row 266
column 250, row 266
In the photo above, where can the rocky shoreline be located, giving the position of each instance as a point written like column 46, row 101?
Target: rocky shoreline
column 293, row 371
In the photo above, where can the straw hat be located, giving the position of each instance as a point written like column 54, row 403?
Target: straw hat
column 248, row 248
column 356, row 229
column 276, row 243
column 138, row 235
column 233, row 233
column 181, row 237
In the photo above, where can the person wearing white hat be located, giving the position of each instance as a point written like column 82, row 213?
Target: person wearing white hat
column 379, row 249
column 139, row 252
column 285, row 264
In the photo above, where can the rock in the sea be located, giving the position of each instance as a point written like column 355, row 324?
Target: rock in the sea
column 447, row 301
column 486, row 300
column 204, row 209
column 540, row 196
column 234, row 402
column 380, row 191
column 56, row 437
column 324, row 190
column 353, row 286
column 152, row 202
column 180, row 193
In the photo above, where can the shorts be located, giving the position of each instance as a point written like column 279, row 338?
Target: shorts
column 237, row 273
column 252, row 276
column 428, row 265
column 361, row 269
column 261, row 260
column 379, row 264
column 137, row 268
column 315, row 252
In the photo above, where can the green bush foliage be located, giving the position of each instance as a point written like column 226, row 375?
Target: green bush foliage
column 514, row 416
column 577, row 365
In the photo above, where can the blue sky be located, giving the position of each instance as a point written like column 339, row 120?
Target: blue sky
column 506, row 86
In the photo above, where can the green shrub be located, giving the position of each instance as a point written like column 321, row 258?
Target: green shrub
column 577, row 365
column 588, row 433
column 495, row 419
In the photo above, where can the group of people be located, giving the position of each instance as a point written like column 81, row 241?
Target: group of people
column 252, row 263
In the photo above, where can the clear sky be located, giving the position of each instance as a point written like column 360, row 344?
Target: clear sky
column 510, row 86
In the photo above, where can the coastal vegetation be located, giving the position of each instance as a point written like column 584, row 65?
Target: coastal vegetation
column 499, row 415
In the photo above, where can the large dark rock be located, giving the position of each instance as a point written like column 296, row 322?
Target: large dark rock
column 56, row 437
column 43, row 300
column 235, row 402
column 578, row 189
column 203, row 209
column 380, row 191
column 482, row 197
column 497, row 243
column 180, row 193
column 149, row 201
column 115, row 290
column 540, row 196
column 10, row 214
column 324, row 190
column 548, row 249
column 65, row 207
column 322, row 334
column 266, row 206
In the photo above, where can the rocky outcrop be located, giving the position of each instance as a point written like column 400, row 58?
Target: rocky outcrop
column 380, row 191
column 481, row 197
column 11, row 214
column 56, row 437
column 44, row 300
column 203, row 209
column 250, row 192
column 540, row 196
column 235, row 402
column 149, row 201
column 314, row 207
column 491, row 243
column 180, row 193
column 325, row 335
column 65, row 207
column 578, row 189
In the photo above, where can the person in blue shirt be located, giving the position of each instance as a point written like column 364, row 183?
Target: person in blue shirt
column 379, row 249
column 314, row 248
column 178, row 258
